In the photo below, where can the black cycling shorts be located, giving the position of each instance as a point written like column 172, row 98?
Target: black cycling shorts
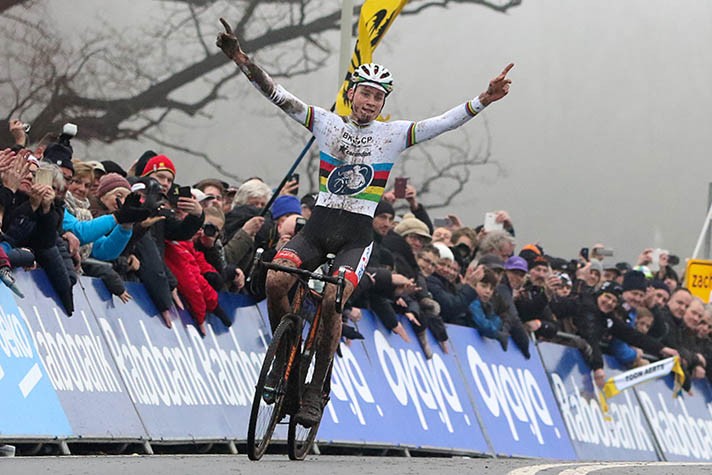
column 330, row 231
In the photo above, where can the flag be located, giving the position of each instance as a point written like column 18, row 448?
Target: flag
column 373, row 23
column 635, row 376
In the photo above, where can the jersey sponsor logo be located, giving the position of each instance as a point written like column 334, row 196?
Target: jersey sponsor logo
column 349, row 179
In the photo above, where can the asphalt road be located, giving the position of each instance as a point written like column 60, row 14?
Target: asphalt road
column 317, row 465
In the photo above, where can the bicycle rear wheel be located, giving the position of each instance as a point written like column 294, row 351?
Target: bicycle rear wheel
column 264, row 417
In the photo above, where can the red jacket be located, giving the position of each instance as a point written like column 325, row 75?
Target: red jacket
column 189, row 265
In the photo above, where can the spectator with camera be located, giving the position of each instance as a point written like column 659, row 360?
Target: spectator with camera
column 228, row 277
column 405, row 191
column 214, row 188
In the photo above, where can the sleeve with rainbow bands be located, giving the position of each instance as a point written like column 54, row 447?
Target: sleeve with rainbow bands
column 430, row 128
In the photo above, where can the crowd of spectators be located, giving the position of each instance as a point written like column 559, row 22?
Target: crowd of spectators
column 188, row 243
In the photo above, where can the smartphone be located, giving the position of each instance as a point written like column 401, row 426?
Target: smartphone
column 184, row 192
column 43, row 176
column 491, row 223
column 584, row 253
column 604, row 252
column 295, row 177
column 655, row 261
column 399, row 188
column 301, row 221
column 442, row 222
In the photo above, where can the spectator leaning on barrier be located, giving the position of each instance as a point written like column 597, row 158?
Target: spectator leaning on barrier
column 633, row 292
column 454, row 299
column 598, row 323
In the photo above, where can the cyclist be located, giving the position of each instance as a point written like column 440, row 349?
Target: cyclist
column 356, row 156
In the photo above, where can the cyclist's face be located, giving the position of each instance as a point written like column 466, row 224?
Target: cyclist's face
column 366, row 103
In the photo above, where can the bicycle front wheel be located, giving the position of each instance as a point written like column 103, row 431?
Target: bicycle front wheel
column 300, row 439
column 270, row 391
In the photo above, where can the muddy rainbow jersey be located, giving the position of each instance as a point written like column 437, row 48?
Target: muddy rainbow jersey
column 356, row 160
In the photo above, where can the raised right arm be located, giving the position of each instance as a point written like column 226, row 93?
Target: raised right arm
column 292, row 105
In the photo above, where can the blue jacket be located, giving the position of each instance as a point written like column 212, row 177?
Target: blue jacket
column 487, row 324
column 108, row 237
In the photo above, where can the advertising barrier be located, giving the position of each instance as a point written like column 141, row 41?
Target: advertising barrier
column 30, row 405
column 116, row 371
column 512, row 397
column 681, row 425
column 384, row 392
column 79, row 365
column 623, row 435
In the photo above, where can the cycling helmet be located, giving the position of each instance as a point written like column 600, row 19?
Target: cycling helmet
column 374, row 75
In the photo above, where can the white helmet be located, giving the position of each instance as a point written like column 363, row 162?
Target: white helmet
column 374, row 75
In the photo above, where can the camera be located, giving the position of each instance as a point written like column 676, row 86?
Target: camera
column 673, row 260
column 210, row 230
column 69, row 129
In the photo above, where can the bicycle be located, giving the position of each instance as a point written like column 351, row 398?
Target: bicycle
column 289, row 358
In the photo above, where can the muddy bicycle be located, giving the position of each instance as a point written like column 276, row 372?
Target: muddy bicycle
column 288, row 364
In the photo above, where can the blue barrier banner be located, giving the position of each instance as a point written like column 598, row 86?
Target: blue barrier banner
column 623, row 435
column 384, row 391
column 78, row 362
column 184, row 385
column 30, row 405
column 512, row 397
column 682, row 425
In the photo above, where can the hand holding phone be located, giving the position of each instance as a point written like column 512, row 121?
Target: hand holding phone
column 400, row 186
column 43, row 176
column 491, row 223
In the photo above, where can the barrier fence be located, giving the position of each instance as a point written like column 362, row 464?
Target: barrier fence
column 115, row 372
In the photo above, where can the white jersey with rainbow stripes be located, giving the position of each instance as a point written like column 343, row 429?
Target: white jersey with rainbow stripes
column 356, row 160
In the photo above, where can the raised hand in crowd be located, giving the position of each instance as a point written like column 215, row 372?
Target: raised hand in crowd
column 13, row 168
column 253, row 225
column 645, row 257
column 502, row 216
column 48, row 195
column 190, row 205
column 17, row 129
column 473, row 275
column 290, row 188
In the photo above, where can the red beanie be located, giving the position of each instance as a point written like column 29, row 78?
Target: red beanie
column 159, row 162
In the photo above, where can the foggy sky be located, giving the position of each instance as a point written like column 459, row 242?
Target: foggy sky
column 605, row 135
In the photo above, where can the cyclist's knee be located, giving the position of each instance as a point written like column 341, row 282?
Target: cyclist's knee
column 278, row 283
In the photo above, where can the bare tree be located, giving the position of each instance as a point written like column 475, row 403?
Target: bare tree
column 123, row 84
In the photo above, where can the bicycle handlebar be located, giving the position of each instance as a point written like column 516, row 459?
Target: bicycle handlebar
column 338, row 280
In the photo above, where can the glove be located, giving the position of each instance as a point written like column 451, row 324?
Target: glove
column 503, row 339
column 131, row 210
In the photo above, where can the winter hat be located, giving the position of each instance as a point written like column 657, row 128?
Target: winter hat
column 634, row 280
column 113, row 167
column 142, row 161
column 597, row 266
column 384, row 207
column 284, row 205
column 516, row 263
column 444, row 251
column 492, row 261
column 60, row 155
column 610, row 287
column 537, row 261
column 110, row 182
column 158, row 163
column 412, row 225
column 659, row 284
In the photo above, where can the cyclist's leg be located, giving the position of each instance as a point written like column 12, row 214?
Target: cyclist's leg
column 354, row 260
column 298, row 251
